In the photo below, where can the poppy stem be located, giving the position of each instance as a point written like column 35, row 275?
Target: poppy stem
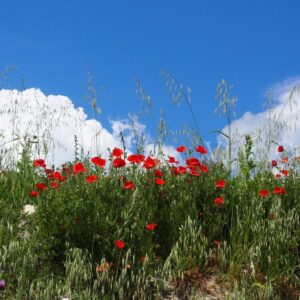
column 117, row 269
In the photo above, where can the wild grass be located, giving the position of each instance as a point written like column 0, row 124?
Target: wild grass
column 245, row 245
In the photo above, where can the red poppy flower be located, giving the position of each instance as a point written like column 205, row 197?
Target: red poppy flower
column 264, row 193
column 39, row 163
column 274, row 163
column 192, row 168
column 181, row 149
column 284, row 172
column 279, row 190
column 172, row 160
column 91, row 178
column 128, row 185
column 175, row 171
column 159, row 181
column 34, row 193
column 119, row 162
column 56, row 175
column 48, row 171
column 136, row 158
column 54, row 185
column 182, row 170
column 195, row 173
column 201, row 150
column 149, row 163
column 280, row 149
column 50, row 176
column 219, row 201
column 78, row 168
column 151, row 226
column 139, row 158
column 41, row 186
column 220, row 184
column 103, row 267
column 192, row 161
column 131, row 158
column 98, row 161
column 285, row 159
column 143, row 259
column 203, row 169
column 217, row 243
column 120, row 244
column 158, row 173
column 178, row 170
column 65, row 169
column 117, row 152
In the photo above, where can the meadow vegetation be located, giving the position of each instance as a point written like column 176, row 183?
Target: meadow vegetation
column 134, row 226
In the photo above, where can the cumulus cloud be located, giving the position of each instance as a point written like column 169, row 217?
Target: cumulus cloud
column 278, row 123
column 49, row 124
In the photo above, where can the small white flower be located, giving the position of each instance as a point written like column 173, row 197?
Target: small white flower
column 28, row 209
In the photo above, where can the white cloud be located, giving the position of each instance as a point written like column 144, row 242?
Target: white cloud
column 281, row 123
column 130, row 128
column 54, row 120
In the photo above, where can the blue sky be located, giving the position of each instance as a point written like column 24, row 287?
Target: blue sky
column 252, row 44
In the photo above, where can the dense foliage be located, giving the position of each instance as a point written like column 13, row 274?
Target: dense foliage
column 136, row 227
